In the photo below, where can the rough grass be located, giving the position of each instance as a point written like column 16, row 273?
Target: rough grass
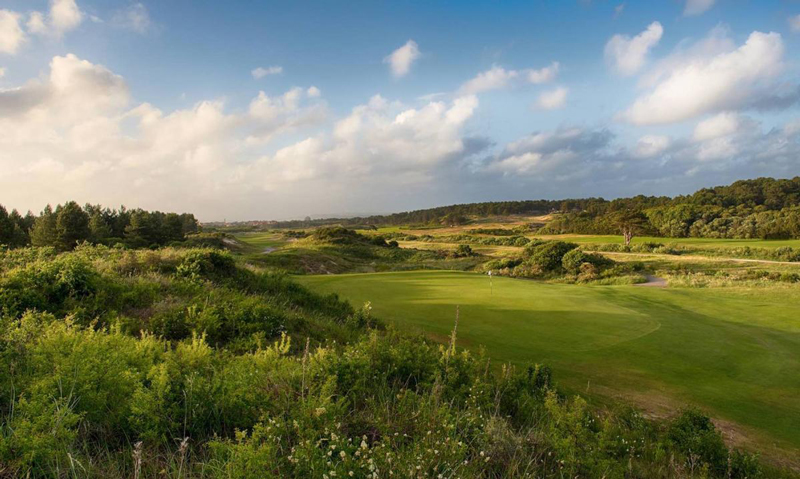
column 732, row 351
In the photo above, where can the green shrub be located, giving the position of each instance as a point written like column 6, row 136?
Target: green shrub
column 463, row 251
column 573, row 260
column 205, row 264
column 548, row 256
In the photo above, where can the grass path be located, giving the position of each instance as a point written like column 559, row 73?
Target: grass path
column 734, row 352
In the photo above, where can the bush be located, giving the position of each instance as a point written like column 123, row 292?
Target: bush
column 694, row 435
column 548, row 256
column 205, row 264
column 463, row 251
column 573, row 261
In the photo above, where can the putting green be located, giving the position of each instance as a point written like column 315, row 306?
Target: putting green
column 734, row 352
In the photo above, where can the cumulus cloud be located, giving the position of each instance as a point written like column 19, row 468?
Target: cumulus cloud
column 719, row 125
column 696, row 7
column 579, row 161
column 628, row 55
column 556, row 153
column 400, row 60
column 135, row 18
column 260, row 72
column 707, row 84
column 64, row 15
column 76, row 133
column 36, row 23
column 287, row 112
column 650, row 146
column 11, row 34
column 497, row 78
column 552, row 99
column 492, row 79
column 543, row 75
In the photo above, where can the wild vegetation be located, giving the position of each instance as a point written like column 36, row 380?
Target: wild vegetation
column 335, row 249
column 125, row 357
column 184, row 363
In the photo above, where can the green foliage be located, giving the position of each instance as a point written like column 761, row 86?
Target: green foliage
column 695, row 436
column 191, row 354
column 573, row 261
column 463, row 251
column 547, row 257
column 69, row 225
column 72, row 226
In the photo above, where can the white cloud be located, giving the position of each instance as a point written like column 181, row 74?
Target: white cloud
column 76, row 134
column 64, row 15
column 497, row 78
column 543, row 75
column 700, row 85
column 135, row 18
column 401, row 59
column 628, row 55
column 719, row 125
column 493, row 79
column 696, row 7
column 552, row 99
column 551, row 154
column 619, row 9
column 36, row 23
column 2, row 72
column 650, row 146
column 794, row 23
column 261, row 72
column 11, row 34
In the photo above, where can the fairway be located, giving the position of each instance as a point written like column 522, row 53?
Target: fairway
column 733, row 352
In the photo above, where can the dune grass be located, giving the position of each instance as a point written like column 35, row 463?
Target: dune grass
column 698, row 242
column 734, row 352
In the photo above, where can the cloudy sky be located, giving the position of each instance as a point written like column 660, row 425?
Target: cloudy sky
column 273, row 110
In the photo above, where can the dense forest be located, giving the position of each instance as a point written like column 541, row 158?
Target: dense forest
column 68, row 225
column 759, row 208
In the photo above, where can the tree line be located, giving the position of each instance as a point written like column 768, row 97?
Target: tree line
column 68, row 225
column 758, row 208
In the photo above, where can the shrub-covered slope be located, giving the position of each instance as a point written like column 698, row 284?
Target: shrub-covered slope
column 182, row 363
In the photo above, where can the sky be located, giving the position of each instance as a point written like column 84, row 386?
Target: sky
column 249, row 110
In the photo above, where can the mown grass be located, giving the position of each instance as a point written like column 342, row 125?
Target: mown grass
column 262, row 240
column 732, row 351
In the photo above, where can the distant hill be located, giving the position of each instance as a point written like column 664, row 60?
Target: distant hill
column 762, row 207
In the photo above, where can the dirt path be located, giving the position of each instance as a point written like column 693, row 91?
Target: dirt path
column 653, row 282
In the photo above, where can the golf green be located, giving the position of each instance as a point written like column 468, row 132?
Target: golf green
column 734, row 352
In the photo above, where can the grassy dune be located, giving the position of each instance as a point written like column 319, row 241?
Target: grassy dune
column 733, row 352
column 698, row 242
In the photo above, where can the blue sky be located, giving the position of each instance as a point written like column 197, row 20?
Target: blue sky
column 155, row 104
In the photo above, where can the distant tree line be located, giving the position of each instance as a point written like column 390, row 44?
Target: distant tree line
column 759, row 208
column 70, row 224
column 763, row 208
